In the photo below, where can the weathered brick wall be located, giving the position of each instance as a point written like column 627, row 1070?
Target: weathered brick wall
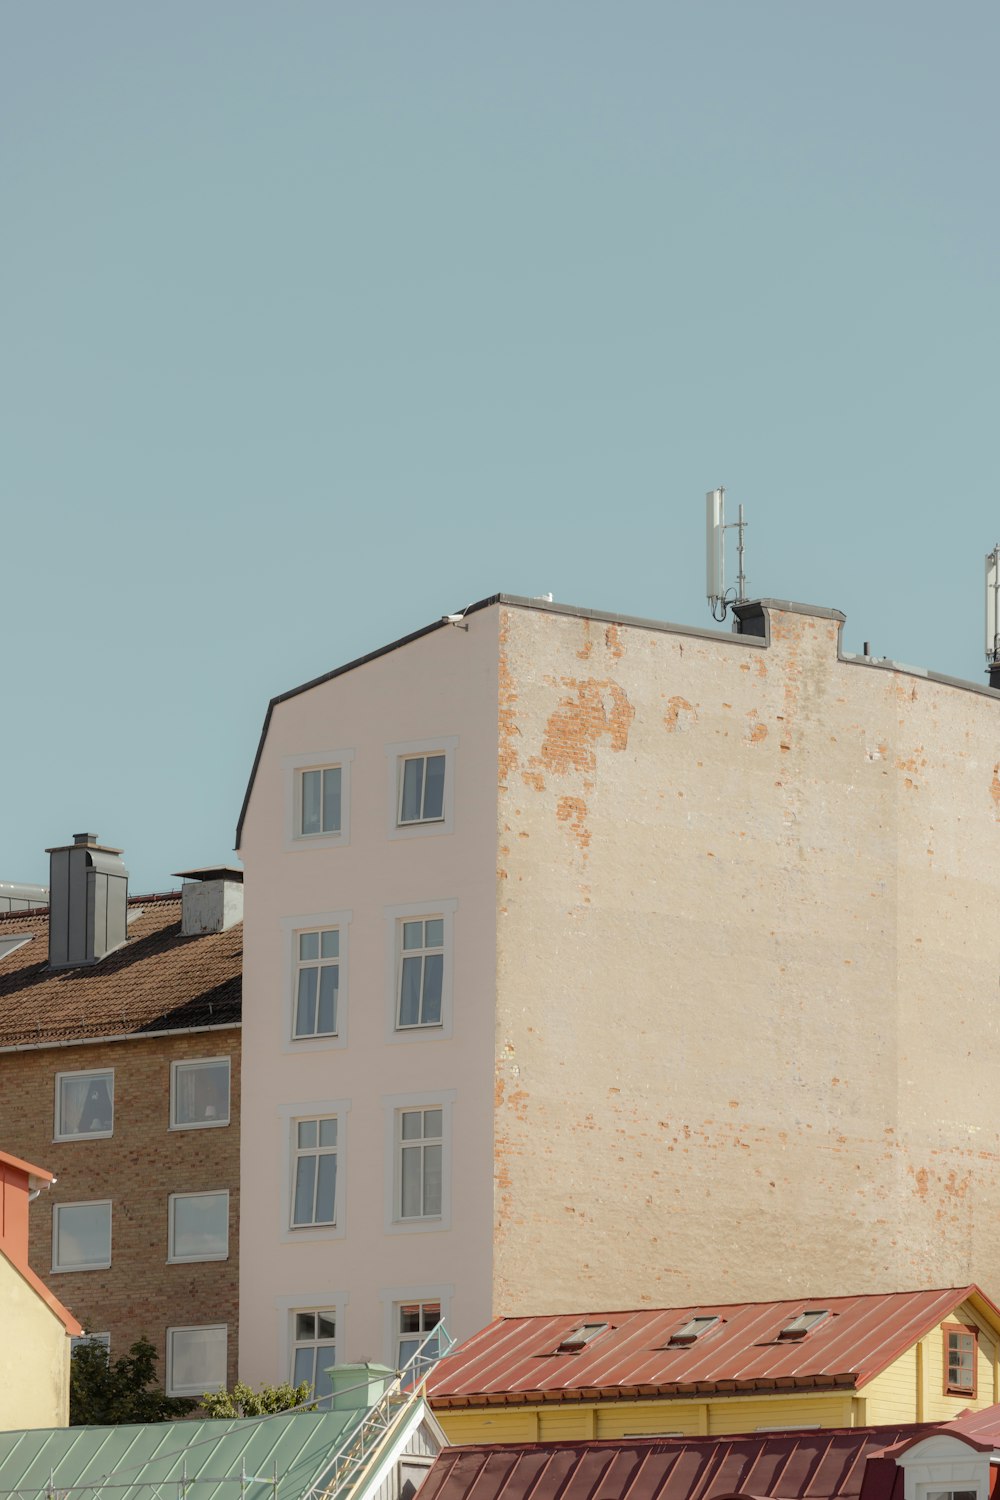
column 137, row 1168
column 747, row 970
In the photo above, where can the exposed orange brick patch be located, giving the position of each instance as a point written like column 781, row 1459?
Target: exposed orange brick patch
column 584, row 651
column 995, row 791
column 573, row 810
column 679, row 715
column 600, row 709
column 756, row 731
column 506, row 708
column 534, row 779
column 613, row 641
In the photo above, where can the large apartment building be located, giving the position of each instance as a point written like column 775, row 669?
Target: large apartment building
column 119, row 1068
column 594, row 961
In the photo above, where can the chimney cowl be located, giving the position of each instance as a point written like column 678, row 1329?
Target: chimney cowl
column 88, row 902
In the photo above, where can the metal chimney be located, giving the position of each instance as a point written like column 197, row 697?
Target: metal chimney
column 88, row 902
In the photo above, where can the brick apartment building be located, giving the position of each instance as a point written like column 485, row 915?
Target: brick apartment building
column 120, row 1069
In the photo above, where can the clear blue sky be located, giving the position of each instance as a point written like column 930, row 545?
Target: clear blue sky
column 321, row 319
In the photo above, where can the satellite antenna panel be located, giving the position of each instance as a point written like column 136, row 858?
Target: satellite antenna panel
column 992, row 591
column 715, row 534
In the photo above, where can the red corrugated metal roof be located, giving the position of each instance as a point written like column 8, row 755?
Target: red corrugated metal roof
column 829, row 1465
column 516, row 1358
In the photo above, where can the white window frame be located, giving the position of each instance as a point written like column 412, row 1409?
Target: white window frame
column 403, row 750
column 188, row 1390
column 292, row 927
column 173, row 1259
column 289, row 1115
column 60, row 1208
column 317, row 760
column 194, row 1062
column 84, row 1135
column 393, row 1298
column 395, row 916
column 395, row 1105
column 287, row 1306
column 943, row 1462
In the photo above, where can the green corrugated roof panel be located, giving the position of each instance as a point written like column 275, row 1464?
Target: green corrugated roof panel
column 128, row 1463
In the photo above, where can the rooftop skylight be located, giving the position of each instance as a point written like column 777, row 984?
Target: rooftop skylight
column 580, row 1337
column 804, row 1323
column 693, row 1329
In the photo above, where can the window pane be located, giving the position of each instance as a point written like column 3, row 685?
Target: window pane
column 327, row 1325
column 307, row 1134
column 432, row 1124
column 326, row 1190
column 413, row 775
column 326, row 1022
column 305, row 1325
column 412, row 1124
column 409, row 1318
column 201, row 1093
column 433, row 977
column 305, row 1009
column 435, row 933
column 407, row 1349
column 434, row 789
column 325, row 1359
column 83, row 1234
column 85, row 1103
column 330, row 943
column 305, row 1180
column 311, row 802
column 201, row 1225
column 328, row 1132
column 409, row 996
column 331, row 800
column 303, row 1367
column 198, row 1359
column 309, row 945
column 432, row 1179
column 411, row 1204
column 413, row 934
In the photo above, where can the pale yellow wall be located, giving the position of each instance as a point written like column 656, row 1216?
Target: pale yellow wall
column 34, row 1357
column 570, row 1421
column 747, row 928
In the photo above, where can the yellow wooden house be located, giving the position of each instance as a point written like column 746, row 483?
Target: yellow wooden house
column 893, row 1358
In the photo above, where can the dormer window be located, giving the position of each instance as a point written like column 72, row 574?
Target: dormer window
column 961, row 1349
column 581, row 1337
column 692, row 1330
column 804, row 1323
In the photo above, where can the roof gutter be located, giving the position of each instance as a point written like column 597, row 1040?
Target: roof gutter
column 701, row 1392
column 125, row 1036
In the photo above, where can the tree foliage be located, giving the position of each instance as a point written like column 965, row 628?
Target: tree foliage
column 244, row 1401
column 102, row 1392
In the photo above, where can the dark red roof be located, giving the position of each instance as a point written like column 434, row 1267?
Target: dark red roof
column 158, row 981
column 517, row 1359
column 821, row 1465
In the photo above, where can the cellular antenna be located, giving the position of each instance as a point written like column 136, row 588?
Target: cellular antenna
column 993, row 608
column 715, row 573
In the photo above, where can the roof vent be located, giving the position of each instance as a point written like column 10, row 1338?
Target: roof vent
column 211, row 899
column 804, row 1323
column 692, row 1330
column 581, row 1337
column 88, row 901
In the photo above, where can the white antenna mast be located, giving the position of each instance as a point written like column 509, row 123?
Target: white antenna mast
column 993, row 606
column 718, row 596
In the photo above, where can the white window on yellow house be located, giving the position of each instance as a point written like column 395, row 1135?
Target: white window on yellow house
column 961, row 1343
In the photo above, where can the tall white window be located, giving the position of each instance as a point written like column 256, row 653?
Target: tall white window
column 317, row 983
column 414, row 1321
column 81, row 1236
column 196, row 1360
column 319, row 801
column 199, row 1093
column 314, row 1172
column 198, row 1226
column 421, row 789
column 420, row 984
column 314, row 1348
column 420, row 1149
column 85, row 1104
column 102, row 1340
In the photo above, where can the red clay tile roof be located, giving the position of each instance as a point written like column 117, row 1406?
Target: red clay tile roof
column 515, row 1359
column 159, row 980
column 825, row 1465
